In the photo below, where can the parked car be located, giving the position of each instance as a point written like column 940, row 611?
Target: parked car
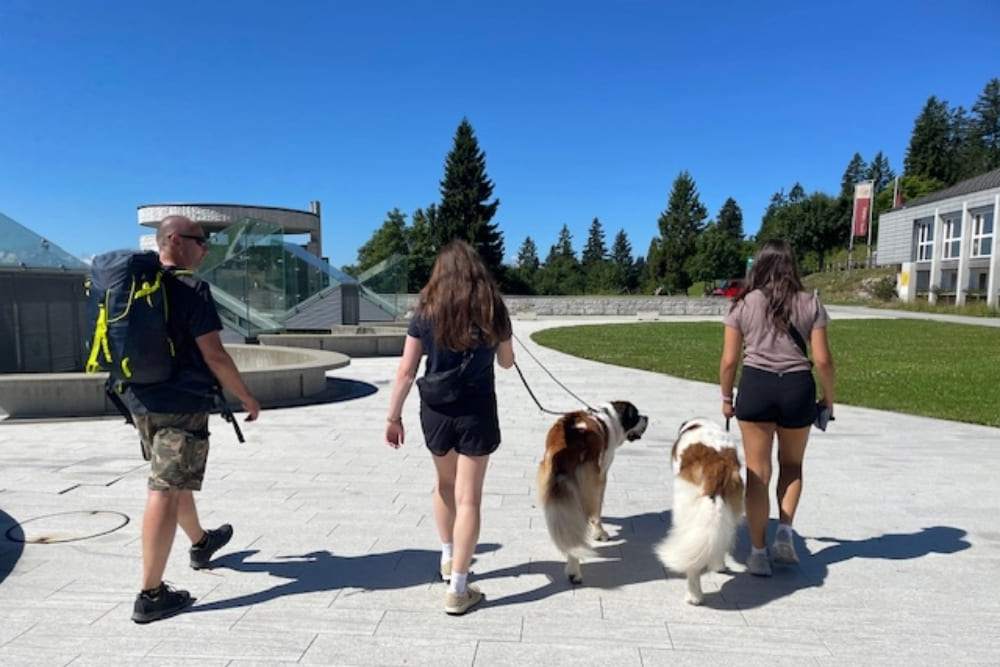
column 729, row 288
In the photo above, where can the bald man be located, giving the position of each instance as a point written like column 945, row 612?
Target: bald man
column 172, row 418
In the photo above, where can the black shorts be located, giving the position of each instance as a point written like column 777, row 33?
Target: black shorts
column 787, row 399
column 473, row 431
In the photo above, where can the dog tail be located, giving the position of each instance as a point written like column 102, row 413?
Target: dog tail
column 703, row 522
column 565, row 519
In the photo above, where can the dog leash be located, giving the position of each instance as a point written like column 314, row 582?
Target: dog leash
column 547, row 372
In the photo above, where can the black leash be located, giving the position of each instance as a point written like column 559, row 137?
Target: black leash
column 547, row 372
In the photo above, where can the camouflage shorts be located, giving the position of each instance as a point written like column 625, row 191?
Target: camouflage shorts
column 178, row 448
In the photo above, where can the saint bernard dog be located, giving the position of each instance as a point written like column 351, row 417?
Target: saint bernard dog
column 572, row 477
column 708, row 503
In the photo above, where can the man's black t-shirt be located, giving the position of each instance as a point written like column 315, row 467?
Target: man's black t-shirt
column 192, row 313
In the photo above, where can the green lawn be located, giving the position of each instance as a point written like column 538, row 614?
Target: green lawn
column 935, row 369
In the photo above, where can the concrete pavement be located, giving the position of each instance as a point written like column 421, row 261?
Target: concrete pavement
column 335, row 552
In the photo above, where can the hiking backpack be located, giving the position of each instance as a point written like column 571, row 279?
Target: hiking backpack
column 127, row 310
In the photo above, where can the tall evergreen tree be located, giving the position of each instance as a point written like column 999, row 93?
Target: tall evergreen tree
column 985, row 129
column 857, row 170
column 527, row 256
column 561, row 272
column 880, row 172
column 595, row 250
column 465, row 211
column 721, row 248
column 796, row 194
column 623, row 262
column 679, row 227
column 930, row 150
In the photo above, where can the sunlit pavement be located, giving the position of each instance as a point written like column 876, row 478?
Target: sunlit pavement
column 335, row 552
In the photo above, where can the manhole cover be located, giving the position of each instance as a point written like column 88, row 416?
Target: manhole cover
column 66, row 527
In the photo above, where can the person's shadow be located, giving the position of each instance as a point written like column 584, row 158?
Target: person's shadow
column 319, row 571
column 628, row 558
column 748, row 591
column 11, row 544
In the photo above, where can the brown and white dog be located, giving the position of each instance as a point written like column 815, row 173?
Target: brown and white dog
column 708, row 503
column 572, row 477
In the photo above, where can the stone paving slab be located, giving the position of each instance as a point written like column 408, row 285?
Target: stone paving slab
column 335, row 553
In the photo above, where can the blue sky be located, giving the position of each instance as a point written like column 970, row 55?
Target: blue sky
column 583, row 108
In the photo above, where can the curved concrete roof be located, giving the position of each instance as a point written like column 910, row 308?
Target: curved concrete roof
column 214, row 217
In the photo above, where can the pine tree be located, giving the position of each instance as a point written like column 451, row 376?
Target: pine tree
column 595, row 250
column 930, row 150
column 721, row 248
column 985, row 129
column 857, row 171
column 623, row 263
column 879, row 172
column 679, row 227
column 527, row 256
column 465, row 212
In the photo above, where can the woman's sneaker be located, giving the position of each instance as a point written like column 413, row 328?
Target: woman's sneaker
column 783, row 549
column 457, row 604
column 214, row 540
column 165, row 603
column 758, row 564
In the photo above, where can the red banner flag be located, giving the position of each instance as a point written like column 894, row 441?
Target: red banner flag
column 897, row 195
column 862, row 208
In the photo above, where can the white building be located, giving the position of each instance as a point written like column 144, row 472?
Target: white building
column 945, row 243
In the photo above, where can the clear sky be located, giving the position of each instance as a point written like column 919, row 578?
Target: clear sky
column 583, row 108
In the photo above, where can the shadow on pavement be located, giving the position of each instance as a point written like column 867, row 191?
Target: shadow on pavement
column 337, row 390
column 632, row 560
column 11, row 544
column 319, row 571
column 747, row 591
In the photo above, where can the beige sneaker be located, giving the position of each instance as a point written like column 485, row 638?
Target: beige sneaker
column 783, row 550
column 457, row 604
column 446, row 571
column 758, row 565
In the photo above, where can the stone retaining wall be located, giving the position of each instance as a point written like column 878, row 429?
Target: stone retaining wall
column 564, row 306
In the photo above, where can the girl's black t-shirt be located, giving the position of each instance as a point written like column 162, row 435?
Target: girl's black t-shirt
column 479, row 371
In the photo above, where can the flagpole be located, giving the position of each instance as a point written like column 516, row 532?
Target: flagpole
column 850, row 243
column 868, row 261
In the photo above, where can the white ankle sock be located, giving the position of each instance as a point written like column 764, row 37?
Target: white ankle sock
column 447, row 548
column 784, row 527
column 457, row 584
column 755, row 550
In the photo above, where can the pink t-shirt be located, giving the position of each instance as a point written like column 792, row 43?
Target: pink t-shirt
column 765, row 347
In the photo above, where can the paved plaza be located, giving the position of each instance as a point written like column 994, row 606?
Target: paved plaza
column 335, row 553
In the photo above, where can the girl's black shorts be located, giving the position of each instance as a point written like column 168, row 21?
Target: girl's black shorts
column 787, row 399
column 472, row 429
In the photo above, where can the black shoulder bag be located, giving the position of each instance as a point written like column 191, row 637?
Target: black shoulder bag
column 444, row 387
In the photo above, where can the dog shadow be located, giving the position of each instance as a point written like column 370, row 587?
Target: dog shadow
column 747, row 591
column 318, row 571
column 628, row 558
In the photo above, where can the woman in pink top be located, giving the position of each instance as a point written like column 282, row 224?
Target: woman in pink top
column 777, row 393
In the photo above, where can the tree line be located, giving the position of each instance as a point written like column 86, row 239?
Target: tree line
column 948, row 144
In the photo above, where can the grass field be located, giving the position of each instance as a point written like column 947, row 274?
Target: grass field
column 934, row 369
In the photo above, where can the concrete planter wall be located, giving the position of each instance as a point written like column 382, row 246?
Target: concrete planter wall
column 274, row 375
column 354, row 341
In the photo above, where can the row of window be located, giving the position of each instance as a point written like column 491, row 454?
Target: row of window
column 951, row 237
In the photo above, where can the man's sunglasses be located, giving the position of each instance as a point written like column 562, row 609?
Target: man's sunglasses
column 200, row 240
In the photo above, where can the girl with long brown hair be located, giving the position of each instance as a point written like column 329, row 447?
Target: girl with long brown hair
column 461, row 319
column 770, row 322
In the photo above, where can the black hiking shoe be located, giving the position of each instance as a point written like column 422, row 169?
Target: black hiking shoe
column 164, row 604
column 215, row 540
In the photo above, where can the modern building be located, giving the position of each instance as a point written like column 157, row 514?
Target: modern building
column 267, row 273
column 945, row 243
column 42, row 304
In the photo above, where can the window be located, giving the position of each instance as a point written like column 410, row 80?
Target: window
column 982, row 234
column 952, row 237
column 925, row 242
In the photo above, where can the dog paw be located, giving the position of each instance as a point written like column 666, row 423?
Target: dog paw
column 693, row 599
column 600, row 535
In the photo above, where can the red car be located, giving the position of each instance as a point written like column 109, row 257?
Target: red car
column 729, row 288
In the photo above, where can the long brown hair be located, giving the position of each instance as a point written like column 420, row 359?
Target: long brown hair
column 462, row 294
column 776, row 274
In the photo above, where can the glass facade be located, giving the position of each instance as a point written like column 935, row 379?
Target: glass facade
column 21, row 247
